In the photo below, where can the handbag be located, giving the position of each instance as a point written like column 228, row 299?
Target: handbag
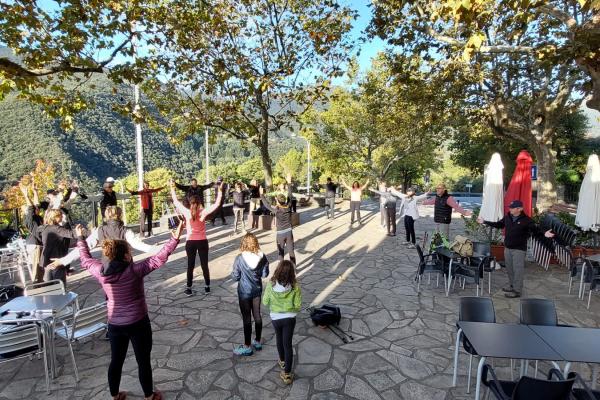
column 462, row 246
column 173, row 218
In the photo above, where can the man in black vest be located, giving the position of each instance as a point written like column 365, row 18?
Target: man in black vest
column 442, row 212
column 194, row 190
column 518, row 227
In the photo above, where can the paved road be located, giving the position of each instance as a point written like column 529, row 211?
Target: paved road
column 403, row 340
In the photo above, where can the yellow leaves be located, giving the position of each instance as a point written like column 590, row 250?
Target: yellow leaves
column 115, row 6
column 473, row 45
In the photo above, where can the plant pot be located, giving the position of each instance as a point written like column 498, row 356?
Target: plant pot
column 497, row 251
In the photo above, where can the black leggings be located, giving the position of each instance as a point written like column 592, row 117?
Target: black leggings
column 391, row 219
column 284, row 331
column 140, row 334
column 191, row 248
column 409, row 226
column 250, row 308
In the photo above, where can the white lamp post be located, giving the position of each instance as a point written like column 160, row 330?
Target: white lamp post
column 307, row 162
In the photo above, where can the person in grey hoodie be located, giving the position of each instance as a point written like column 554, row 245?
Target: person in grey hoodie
column 388, row 200
column 249, row 268
column 283, row 224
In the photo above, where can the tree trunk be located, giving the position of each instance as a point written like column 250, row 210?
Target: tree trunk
column 546, row 183
column 263, row 146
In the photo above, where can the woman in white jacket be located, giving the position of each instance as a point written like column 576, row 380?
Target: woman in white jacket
column 411, row 213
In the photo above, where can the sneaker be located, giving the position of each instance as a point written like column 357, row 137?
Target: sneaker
column 286, row 378
column 189, row 292
column 508, row 289
column 206, row 289
column 411, row 246
column 281, row 364
column 257, row 345
column 242, row 350
column 406, row 243
column 512, row 295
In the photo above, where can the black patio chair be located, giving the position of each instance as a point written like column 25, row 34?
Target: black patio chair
column 538, row 312
column 471, row 309
column 429, row 264
column 580, row 393
column 527, row 388
column 470, row 270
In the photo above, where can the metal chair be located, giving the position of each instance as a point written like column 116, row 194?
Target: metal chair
column 584, row 392
column 472, row 309
column 87, row 322
column 592, row 275
column 470, row 273
column 577, row 269
column 21, row 341
column 527, row 388
column 52, row 287
column 428, row 264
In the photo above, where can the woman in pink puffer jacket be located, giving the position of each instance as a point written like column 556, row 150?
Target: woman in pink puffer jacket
column 123, row 282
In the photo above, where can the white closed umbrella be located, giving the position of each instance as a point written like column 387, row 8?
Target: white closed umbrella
column 492, row 206
column 588, row 209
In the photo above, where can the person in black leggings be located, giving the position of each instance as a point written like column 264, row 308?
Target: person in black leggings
column 249, row 268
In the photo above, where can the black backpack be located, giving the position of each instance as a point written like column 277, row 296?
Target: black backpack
column 329, row 316
column 326, row 315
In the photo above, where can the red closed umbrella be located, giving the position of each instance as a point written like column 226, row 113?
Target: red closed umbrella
column 520, row 184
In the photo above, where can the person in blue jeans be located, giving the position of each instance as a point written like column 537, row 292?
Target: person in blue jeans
column 249, row 268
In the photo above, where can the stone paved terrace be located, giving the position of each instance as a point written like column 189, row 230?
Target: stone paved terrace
column 403, row 340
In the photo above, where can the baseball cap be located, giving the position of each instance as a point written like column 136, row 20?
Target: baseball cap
column 515, row 204
column 110, row 179
column 220, row 179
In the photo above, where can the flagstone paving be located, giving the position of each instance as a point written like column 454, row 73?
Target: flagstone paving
column 402, row 347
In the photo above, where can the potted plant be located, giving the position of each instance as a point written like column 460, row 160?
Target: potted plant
column 485, row 234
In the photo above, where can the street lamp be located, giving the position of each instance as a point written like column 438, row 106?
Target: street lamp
column 307, row 162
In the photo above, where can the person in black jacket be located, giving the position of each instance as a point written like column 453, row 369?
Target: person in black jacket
column 193, row 190
column 249, row 268
column 219, row 185
column 32, row 220
column 52, row 236
column 109, row 196
column 518, row 227
column 239, row 194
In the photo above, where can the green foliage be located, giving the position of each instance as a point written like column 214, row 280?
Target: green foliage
column 292, row 164
column 479, row 232
column 250, row 169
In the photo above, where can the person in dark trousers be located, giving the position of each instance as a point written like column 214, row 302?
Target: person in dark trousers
column 355, row 198
column 388, row 200
column 330, row 190
column 196, row 242
column 411, row 213
column 442, row 211
column 284, row 299
column 194, row 190
column 147, row 206
column 249, row 268
column 239, row 194
column 52, row 237
column 219, row 186
column 123, row 282
column 518, row 227
column 254, row 189
column 283, row 223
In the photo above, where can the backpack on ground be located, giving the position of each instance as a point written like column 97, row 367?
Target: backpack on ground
column 329, row 316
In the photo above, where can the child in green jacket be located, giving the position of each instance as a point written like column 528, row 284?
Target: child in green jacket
column 283, row 297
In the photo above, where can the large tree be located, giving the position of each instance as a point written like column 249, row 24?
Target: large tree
column 520, row 95
column 379, row 124
column 248, row 69
column 48, row 49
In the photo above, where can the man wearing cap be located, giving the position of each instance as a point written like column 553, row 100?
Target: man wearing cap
column 220, row 212
column 108, row 197
column 518, row 227
column 443, row 204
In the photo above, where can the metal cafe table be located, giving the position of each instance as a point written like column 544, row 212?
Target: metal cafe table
column 514, row 341
column 42, row 310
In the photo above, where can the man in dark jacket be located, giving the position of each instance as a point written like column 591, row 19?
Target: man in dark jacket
column 220, row 212
column 518, row 227
column 330, row 190
column 194, row 190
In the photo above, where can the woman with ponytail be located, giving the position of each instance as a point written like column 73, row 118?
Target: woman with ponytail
column 196, row 242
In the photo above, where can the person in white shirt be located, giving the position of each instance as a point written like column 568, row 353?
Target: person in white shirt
column 355, row 199
column 411, row 213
